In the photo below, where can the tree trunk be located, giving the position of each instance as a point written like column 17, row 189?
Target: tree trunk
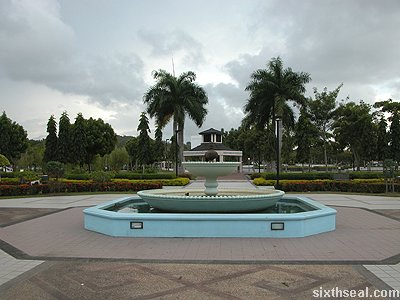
column 181, row 147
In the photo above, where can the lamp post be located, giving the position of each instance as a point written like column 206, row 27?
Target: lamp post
column 278, row 152
column 166, row 154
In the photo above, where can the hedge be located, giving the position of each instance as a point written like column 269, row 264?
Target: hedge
column 180, row 181
column 349, row 186
column 318, row 175
column 71, row 187
column 130, row 175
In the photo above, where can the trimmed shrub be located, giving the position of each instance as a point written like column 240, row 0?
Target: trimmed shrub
column 349, row 186
column 180, row 181
column 131, row 175
column 70, row 187
column 77, row 176
column 101, row 176
column 318, row 175
column 6, row 181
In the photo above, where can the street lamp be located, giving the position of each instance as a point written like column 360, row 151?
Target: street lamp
column 166, row 154
column 278, row 152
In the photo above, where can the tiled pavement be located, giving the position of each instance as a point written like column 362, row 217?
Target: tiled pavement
column 390, row 274
column 384, row 232
column 11, row 267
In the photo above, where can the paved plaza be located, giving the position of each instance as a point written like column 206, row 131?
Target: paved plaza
column 47, row 254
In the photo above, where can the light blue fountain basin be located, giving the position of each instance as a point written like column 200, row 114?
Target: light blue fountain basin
column 318, row 219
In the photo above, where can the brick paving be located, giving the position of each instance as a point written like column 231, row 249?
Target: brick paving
column 361, row 235
column 119, row 280
column 117, row 268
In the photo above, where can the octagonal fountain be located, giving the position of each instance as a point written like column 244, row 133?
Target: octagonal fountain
column 211, row 212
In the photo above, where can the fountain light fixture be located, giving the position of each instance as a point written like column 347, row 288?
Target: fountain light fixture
column 136, row 225
column 277, row 226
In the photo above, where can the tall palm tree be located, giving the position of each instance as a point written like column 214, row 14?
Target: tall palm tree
column 175, row 98
column 270, row 89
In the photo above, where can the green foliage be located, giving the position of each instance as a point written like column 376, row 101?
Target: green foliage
column 305, row 133
column 77, row 176
column 395, row 137
column 72, row 187
column 101, row 138
column 27, row 176
column 4, row 161
column 79, row 140
column 393, row 108
column 176, row 97
column 118, row 158
column 322, row 111
column 270, row 89
column 383, row 138
column 144, row 144
column 351, row 186
column 102, row 176
column 354, row 128
column 51, row 142
column 55, row 169
column 316, row 175
column 180, row 181
column 132, row 147
column 131, row 175
column 65, row 139
column 158, row 146
column 32, row 158
column 90, row 138
column 13, row 138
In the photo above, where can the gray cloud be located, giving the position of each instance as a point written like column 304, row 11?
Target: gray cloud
column 36, row 46
column 173, row 42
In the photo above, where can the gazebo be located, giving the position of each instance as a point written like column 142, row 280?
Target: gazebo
column 212, row 139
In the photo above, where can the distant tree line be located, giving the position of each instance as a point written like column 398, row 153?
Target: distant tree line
column 320, row 130
column 79, row 142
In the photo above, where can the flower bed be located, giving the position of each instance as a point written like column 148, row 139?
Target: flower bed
column 348, row 186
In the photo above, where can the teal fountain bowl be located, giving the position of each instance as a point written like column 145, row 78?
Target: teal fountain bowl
column 194, row 200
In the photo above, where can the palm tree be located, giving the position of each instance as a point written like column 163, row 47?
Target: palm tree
column 176, row 97
column 270, row 89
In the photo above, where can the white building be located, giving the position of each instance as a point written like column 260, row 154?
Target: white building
column 212, row 139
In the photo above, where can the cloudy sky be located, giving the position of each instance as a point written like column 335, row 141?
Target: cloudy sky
column 96, row 56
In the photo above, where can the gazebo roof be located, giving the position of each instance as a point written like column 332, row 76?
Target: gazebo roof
column 209, row 131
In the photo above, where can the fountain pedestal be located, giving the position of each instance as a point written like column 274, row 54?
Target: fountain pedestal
column 211, row 171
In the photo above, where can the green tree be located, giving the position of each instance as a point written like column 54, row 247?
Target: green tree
column 51, row 142
column 395, row 137
column 383, row 138
column 132, row 147
column 3, row 163
column 32, row 158
column 305, row 133
column 321, row 112
column 393, row 108
column 176, row 97
column 118, row 158
column 13, row 138
column 79, row 140
column 270, row 90
column 55, row 169
column 64, row 139
column 144, row 141
column 100, row 139
column 158, row 147
column 353, row 127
